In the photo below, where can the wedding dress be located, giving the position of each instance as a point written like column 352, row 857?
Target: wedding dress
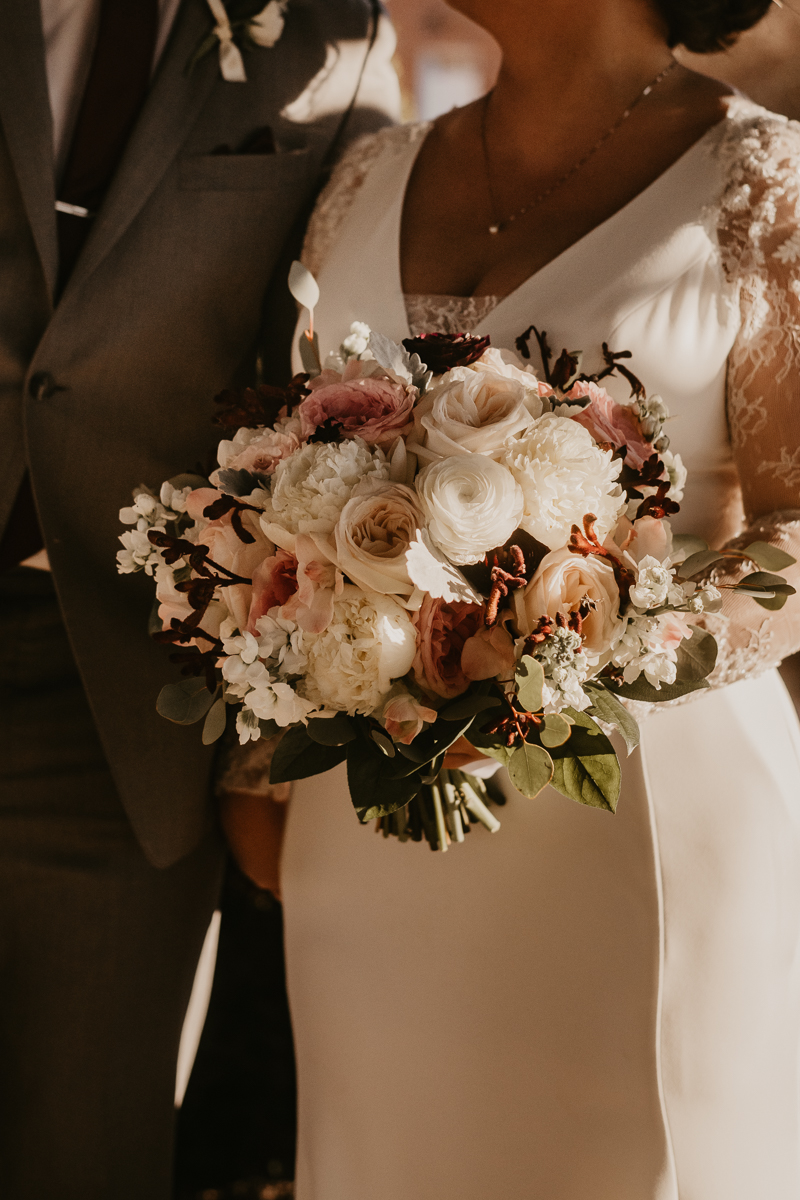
column 581, row 1006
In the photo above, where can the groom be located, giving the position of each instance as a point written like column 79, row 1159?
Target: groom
column 151, row 178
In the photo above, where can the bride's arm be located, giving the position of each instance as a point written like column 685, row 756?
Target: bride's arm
column 760, row 239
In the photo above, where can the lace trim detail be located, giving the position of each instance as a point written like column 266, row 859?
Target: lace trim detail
column 447, row 314
column 348, row 176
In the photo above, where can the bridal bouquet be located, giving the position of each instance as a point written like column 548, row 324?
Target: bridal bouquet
column 415, row 544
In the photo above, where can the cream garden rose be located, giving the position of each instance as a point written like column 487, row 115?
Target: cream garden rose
column 476, row 409
column 564, row 476
column 561, row 584
column 375, row 529
column 472, row 504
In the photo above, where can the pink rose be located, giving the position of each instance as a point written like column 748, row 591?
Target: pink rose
column 608, row 421
column 263, row 455
column 227, row 550
column 442, row 631
column 274, row 582
column 374, row 408
column 319, row 583
column 489, row 654
column 404, row 717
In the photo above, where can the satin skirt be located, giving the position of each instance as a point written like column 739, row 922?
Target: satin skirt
column 578, row 1007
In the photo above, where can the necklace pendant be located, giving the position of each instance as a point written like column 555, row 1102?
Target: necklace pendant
column 494, row 229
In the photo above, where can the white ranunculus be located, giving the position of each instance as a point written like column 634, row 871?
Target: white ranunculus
column 311, row 488
column 476, row 409
column 564, row 476
column 472, row 504
column 369, row 643
column 653, row 584
column 373, row 535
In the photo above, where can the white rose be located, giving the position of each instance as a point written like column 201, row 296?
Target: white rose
column 476, row 409
column 563, row 580
column 373, row 535
column 311, row 488
column 564, row 476
column 472, row 504
column 653, row 584
column 351, row 664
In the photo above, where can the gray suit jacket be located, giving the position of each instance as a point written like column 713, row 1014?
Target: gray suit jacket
column 114, row 386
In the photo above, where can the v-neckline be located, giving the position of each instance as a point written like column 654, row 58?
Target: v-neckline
column 594, row 234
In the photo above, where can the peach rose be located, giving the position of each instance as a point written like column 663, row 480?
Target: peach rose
column 274, row 582
column 561, row 583
column 373, row 535
column 442, row 631
column 376, row 409
column 608, row 421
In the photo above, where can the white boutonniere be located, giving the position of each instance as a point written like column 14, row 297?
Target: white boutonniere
column 234, row 32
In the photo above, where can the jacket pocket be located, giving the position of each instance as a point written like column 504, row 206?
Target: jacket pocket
column 244, row 172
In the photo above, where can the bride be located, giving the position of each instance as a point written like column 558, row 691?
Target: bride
column 581, row 1007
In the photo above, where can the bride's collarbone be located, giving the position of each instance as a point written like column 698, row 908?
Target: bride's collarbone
column 446, row 244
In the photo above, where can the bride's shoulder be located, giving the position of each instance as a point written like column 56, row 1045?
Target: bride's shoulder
column 758, row 212
column 346, row 180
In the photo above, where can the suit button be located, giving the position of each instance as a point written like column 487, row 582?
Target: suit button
column 42, row 386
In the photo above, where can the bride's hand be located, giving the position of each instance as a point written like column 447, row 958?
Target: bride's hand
column 253, row 824
column 460, row 755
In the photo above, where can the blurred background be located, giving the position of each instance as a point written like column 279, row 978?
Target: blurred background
column 236, row 1127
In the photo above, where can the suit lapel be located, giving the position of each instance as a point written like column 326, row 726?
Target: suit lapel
column 27, row 123
column 172, row 105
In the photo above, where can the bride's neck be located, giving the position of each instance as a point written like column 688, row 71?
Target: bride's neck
column 563, row 59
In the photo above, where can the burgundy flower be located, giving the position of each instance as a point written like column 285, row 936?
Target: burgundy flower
column 442, row 351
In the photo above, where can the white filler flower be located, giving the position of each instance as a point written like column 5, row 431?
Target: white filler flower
column 311, row 488
column 564, row 476
column 370, row 642
column 472, row 504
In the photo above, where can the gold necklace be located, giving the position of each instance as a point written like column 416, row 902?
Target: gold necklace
column 497, row 225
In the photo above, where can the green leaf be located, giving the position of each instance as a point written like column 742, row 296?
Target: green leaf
column 384, row 743
column 607, row 708
column 298, row 757
column 768, row 557
column 468, row 706
column 765, row 581
column 555, row 732
column 530, row 769
column 530, row 682
column 188, row 479
column 640, row 689
column 186, row 702
column 501, row 753
column 586, row 737
column 214, row 726
column 373, row 791
column 772, row 602
column 697, row 563
column 433, row 742
column 688, row 543
column 697, row 656
column 332, row 731
column 309, row 355
column 592, row 779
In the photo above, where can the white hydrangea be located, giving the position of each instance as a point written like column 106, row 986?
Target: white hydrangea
column 369, row 643
column 566, row 668
column 148, row 513
column 564, row 476
column 311, row 488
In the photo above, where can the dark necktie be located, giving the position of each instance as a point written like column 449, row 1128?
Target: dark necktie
column 115, row 91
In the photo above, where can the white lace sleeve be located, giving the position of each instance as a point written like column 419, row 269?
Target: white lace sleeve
column 348, row 176
column 759, row 236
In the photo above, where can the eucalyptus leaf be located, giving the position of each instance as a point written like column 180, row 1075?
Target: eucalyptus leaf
column 640, row 689
column 586, row 738
column 186, row 702
column 697, row 656
column 241, row 483
column 188, row 479
column 765, row 581
column 698, row 563
column 501, row 754
column 530, row 769
column 332, row 731
column 298, row 757
column 768, row 557
column 607, row 708
column 688, row 543
column 269, row 729
column 773, row 603
column 530, row 683
column 215, row 721
column 555, row 732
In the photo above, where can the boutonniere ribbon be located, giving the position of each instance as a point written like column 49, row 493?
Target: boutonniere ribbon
column 263, row 29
